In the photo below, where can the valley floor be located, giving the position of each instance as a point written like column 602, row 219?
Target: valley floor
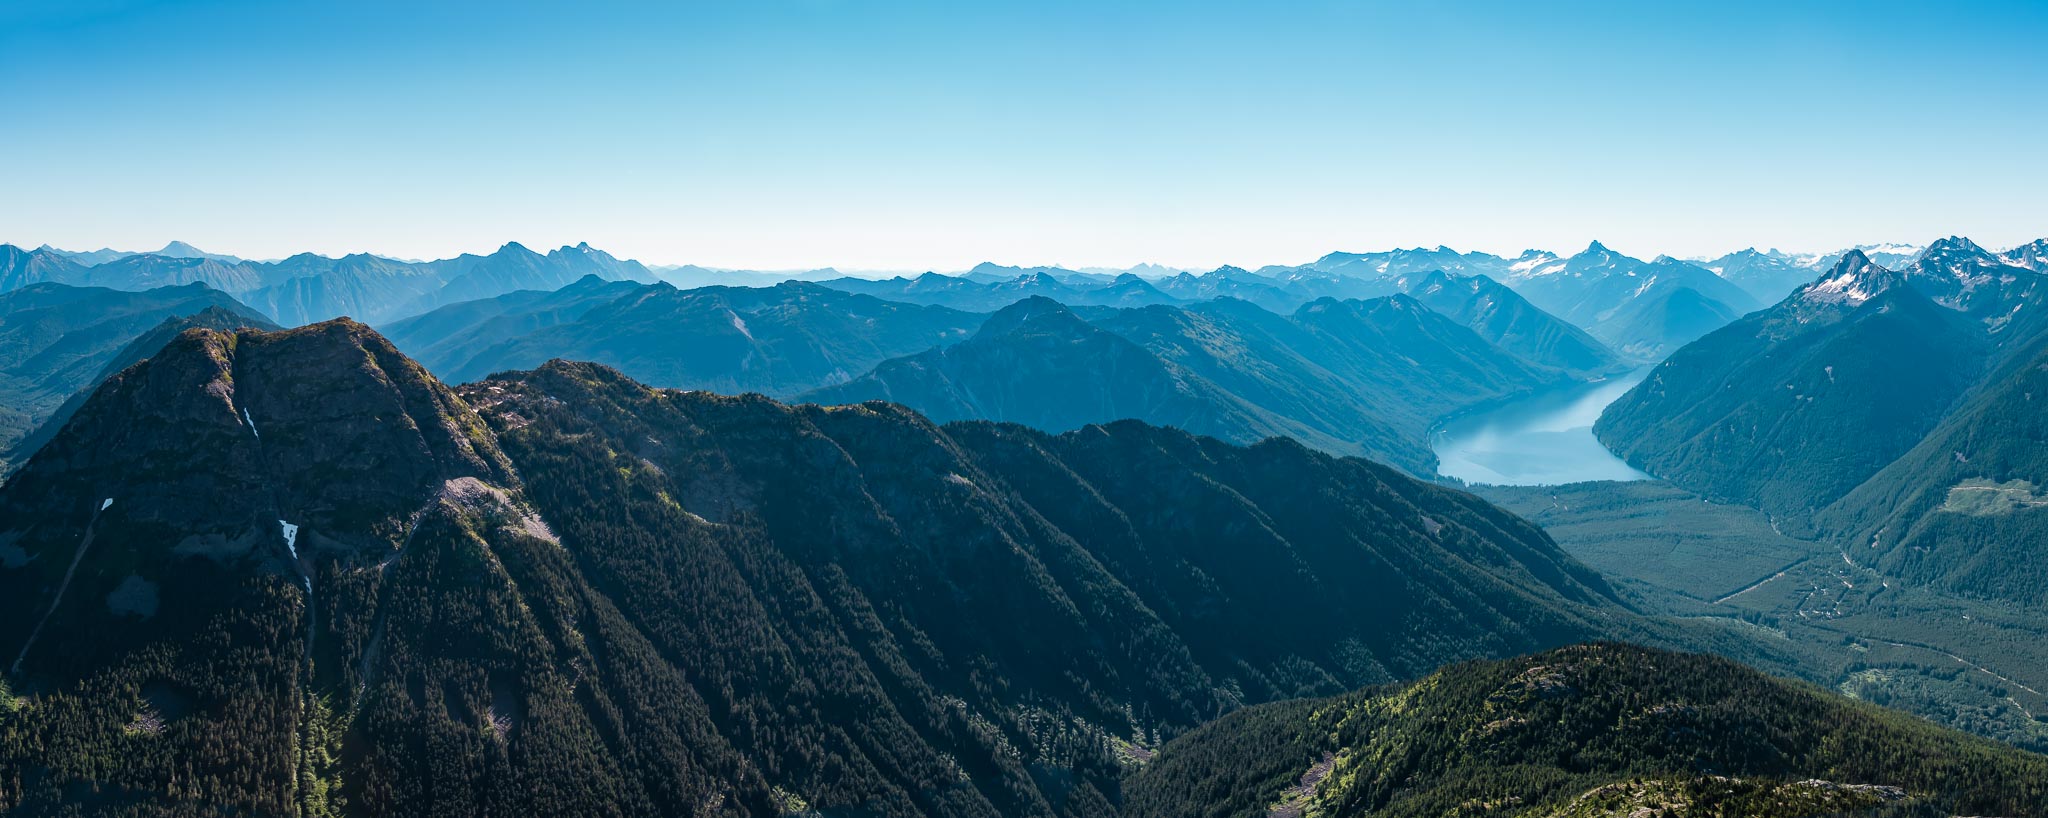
column 1975, row 665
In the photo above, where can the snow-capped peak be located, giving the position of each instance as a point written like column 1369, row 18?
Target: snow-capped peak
column 1853, row 281
column 1533, row 263
column 2033, row 255
column 1950, row 247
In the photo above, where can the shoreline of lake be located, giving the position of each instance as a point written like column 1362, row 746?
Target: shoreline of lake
column 1543, row 438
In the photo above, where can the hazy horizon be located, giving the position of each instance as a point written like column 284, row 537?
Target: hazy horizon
column 1076, row 267
column 909, row 136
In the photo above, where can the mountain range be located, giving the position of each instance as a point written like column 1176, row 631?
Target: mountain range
column 1504, row 317
column 1642, row 309
column 291, row 571
column 173, row 249
column 1873, row 404
column 307, row 287
column 989, row 287
column 1224, row 368
column 319, row 581
column 779, row 340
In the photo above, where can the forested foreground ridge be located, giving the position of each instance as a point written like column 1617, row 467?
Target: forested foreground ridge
column 58, row 342
column 292, row 573
column 1591, row 730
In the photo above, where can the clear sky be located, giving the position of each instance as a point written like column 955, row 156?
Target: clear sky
column 893, row 135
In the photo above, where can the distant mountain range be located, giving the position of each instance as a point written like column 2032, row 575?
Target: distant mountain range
column 988, row 288
column 1890, row 407
column 308, row 287
column 1352, row 377
column 1641, row 308
column 175, row 249
column 779, row 340
column 1503, row 316
column 1770, row 275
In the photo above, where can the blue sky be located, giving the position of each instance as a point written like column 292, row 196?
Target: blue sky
column 891, row 135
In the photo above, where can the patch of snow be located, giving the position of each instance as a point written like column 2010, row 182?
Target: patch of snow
column 252, row 423
column 291, row 543
column 1847, row 288
column 740, row 324
column 105, row 503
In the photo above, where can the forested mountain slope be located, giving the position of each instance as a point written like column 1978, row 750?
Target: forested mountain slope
column 142, row 347
column 1966, row 505
column 1881, row 404
column 1594, row 730
column 1352, row 377
column 778, row 340
column 1038, row 364
column 277, row 572
column 1792, row 407
column 1502, row 316
column 445, row 339
column 56, row 340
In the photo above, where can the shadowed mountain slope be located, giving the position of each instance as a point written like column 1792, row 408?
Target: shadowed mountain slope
column 1792, row 407
column 276, row 572
column 1504, row 317
column 1352, row 377
column 57, row 341
column 777, row 340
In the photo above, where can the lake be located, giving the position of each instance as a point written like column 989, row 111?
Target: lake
column 1539, row 440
